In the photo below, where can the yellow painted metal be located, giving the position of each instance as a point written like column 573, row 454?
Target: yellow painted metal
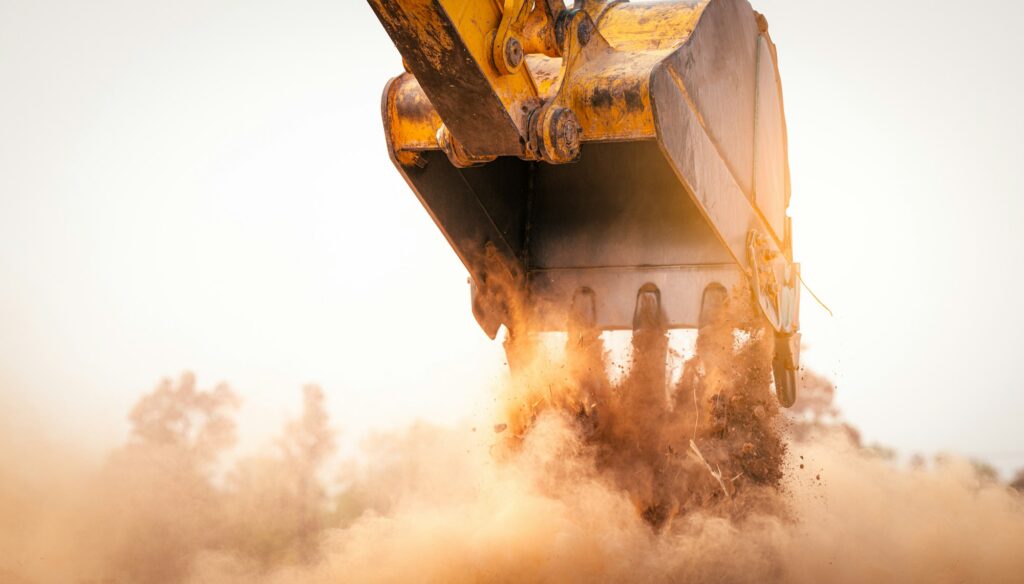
column 513, row 18
column 593, row 90
column 477, row 21
column 607, row 88
column 682, row 187
column 660, row 26
column 416, row 127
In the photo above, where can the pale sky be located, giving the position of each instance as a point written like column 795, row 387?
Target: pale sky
column 203, row 185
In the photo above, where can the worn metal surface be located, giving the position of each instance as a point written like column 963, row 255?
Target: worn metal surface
column 683, row 148
column 410, row 120
column 650, row 26
column 615, row 291
column 471, row 206
column 672, row 116
column 451, row 60
column 614, row 220
column 449, row 45
column 620, row 205
column 771, row 172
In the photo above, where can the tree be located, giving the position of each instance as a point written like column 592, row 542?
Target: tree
column 278, row 505
column 156, row 500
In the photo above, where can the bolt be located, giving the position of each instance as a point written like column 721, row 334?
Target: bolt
column 584, row 31
column 568, row 131
column 555, row 134
column 513, row 53
column 565, row 135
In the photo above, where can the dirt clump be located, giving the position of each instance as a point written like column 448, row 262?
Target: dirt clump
column 710, row 442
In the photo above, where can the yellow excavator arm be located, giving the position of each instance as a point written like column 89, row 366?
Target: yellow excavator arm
column 626, row 162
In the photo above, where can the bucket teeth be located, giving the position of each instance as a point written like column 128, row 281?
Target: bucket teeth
column 647, row 378
column 582, row 314
column 712, row 304
column 648, row 315
column 585, row 359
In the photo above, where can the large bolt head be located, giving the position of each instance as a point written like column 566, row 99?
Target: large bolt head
column 513, row 53
column 584, row 31
column 562, row 134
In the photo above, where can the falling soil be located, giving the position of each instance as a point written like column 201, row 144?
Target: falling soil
column 580, row 476
column 710, row 443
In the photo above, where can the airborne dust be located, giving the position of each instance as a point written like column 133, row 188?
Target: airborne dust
column 577, row 476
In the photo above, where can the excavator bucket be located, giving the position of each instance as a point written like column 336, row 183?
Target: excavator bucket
column 623, row 161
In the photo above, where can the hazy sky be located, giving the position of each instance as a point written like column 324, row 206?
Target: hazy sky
column 203, row 185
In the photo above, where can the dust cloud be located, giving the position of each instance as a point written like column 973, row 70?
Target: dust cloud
column 572, row 477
